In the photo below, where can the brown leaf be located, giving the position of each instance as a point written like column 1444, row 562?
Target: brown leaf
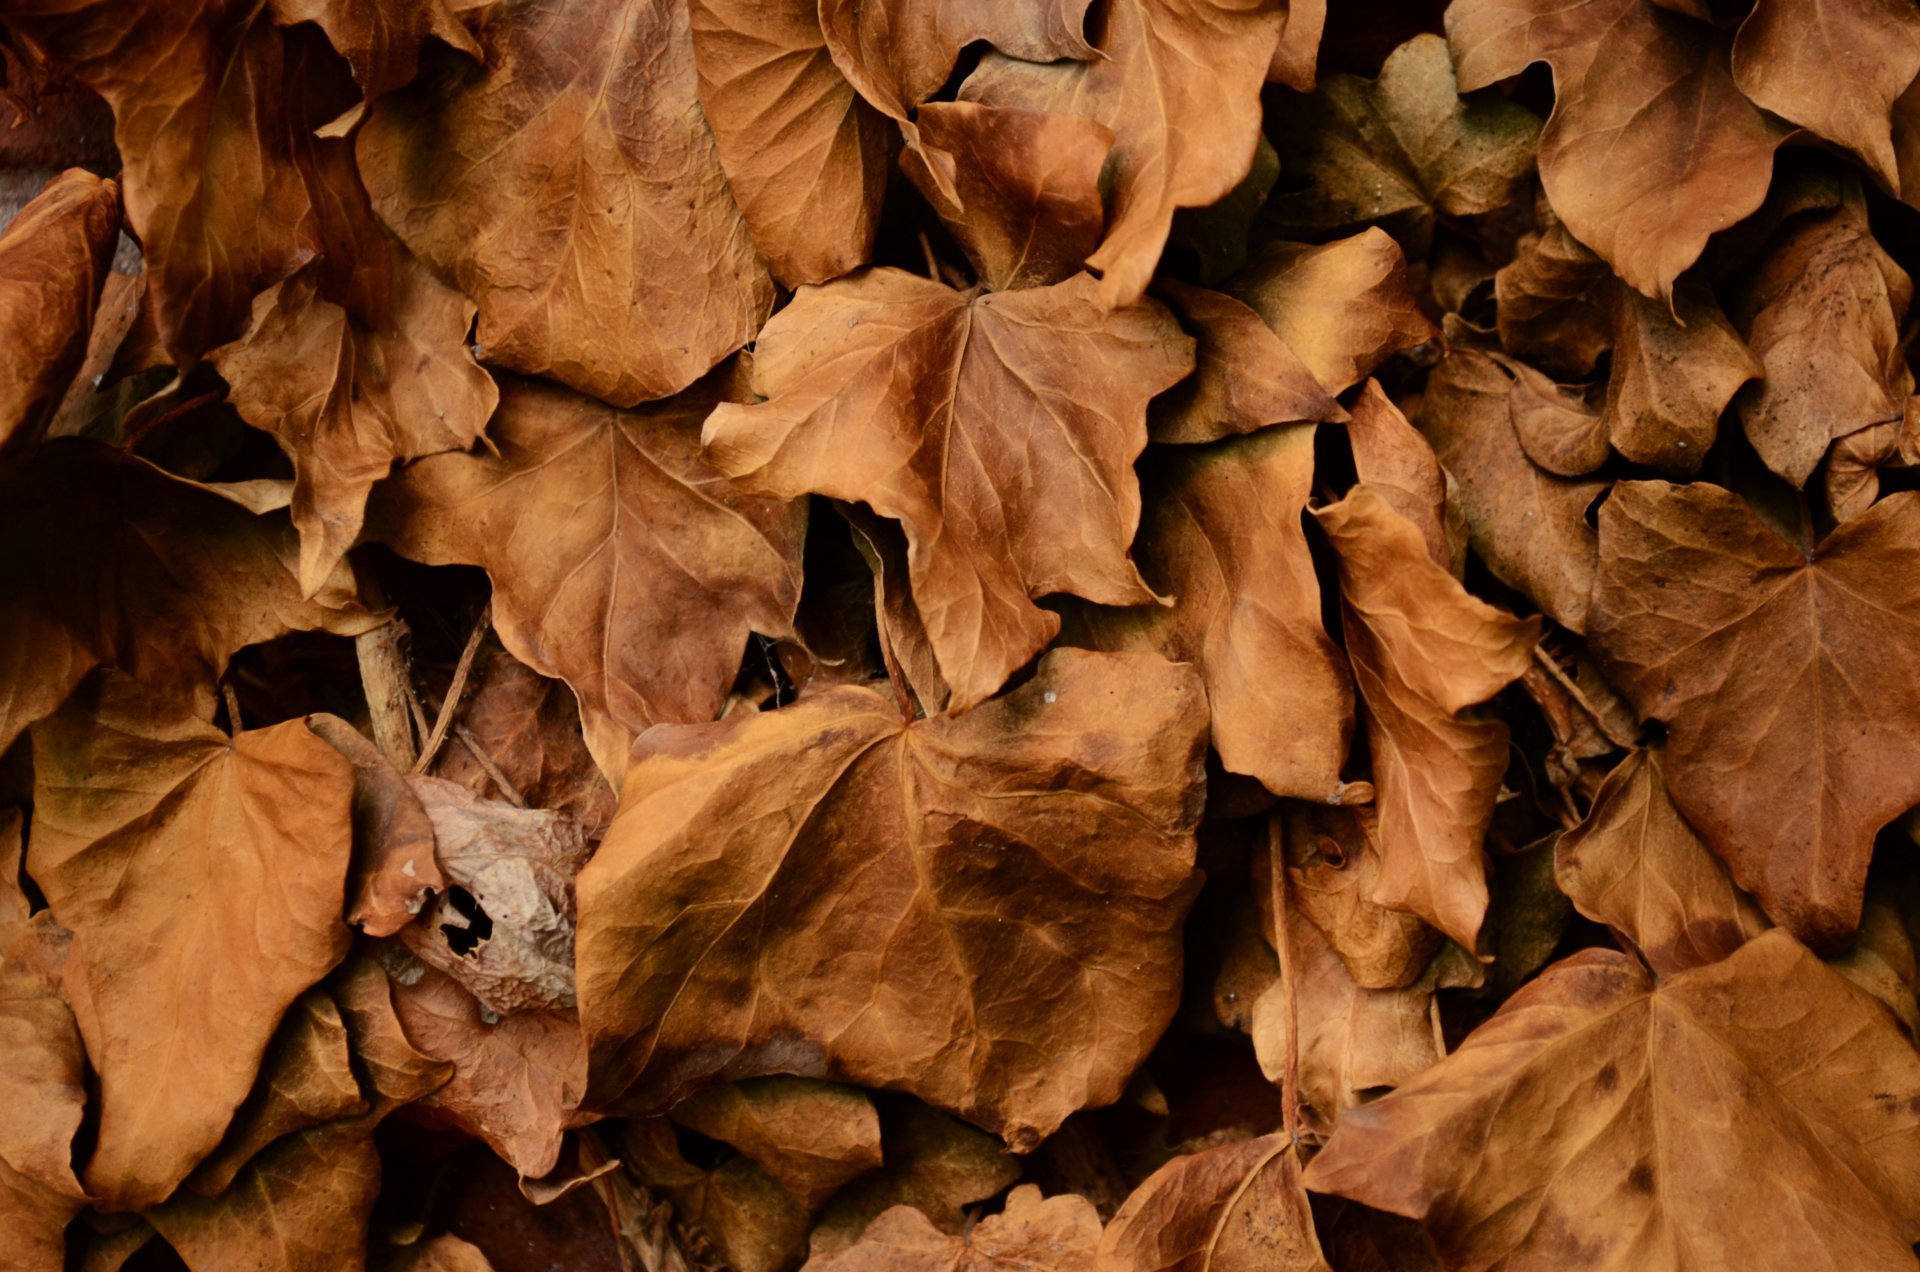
column 202, row 878
column 395, row 869
column 444, row 1253
column 1823, row 311
column 646, row 277
column 517, row 1080
column 1529, row 526
column 1025, row 185
column 1789, row 768
column 811, row 1137
column 42, row 1073
column 1044, row 838
column 1222, row 535
column 1670, row 382
column 934, row 1165
column 1333, row 864
column 381, row 39
column 1294, row 59
column 1551, row 301
column 1178, row 82
column 898, row 53
column 1635, row 865
column 1788, row 57
column 54, row 261
column 1852, row 480
column 107, row 559
column 1398, row 149
column 393, row 1070
column 345, row 401
column 1651, row 147
column 736, row 1209
column 897, row 621
column 1557, row 429
column 1057, row 1234
column 1246, row 377
column 1697, row 1122
column 622, row 562
column 1423, row 651
column 1044, row 384
column 1235, row 1208
column 1391, row 457
column 806, row 158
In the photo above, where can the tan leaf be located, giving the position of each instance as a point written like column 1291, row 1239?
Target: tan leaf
column 1823, row 311
column 1178, row 82
column 1222, row 535
column 1423, row 651
column 646, row 277
column 806, row 157
column 934, row 1165
column 381, row 39
column 1557, row 428
column 1789, row 768
column 395, row 869
column 1852, row 479
column 747, row 1221
column 1670, row 382
column 1635, row 865
column 444, row 1253
column 54, row 261
column 1246, row 376
column 1026, row 187
column 345, row 402
column 33, row 1222
column 42, row 1074
column 1333, row 864
column 1789, row 55
column 1057, row 1234
column 1044, row 382
column 622, row 562
column 107, row 559
column 1552, row 302
column 1651, row 147
column 903, row 632
column 1752, row 1113
column 1390, row 456
column 1529, row 526
column 394, row 1070
column 1235, row 1208
column 203, row 879
column 811, row 1137
column 862, row 882
column 1294, row 59
column 898, row 53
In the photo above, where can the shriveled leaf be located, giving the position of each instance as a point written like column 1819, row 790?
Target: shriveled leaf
column 1245, row 378
column 394, row 1070
column 1789, row 767
column 1222, row 535
column 1178, row 82
column 1552, row 303
column 1235, row 1208
column 622, row 562
column 529, row 726
column 806, row 157
column 733, row 1210
column 395, row 868
column 571, row 188
column 203, row 879
column 899, row 52
column 54, row 263
column 877, row 880
column 1751, row 1113
column 1651, row 147
column 1046, row 386
column 811, row 1137
column 444, row 1253
column 42, row 1076
column 1057, row 1234
column 1423, row 651
column 1333, row 864
column 381, row 39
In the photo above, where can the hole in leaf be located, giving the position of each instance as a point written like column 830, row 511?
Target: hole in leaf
column 464, row 940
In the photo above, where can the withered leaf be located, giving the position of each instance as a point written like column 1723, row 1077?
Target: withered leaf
column 1635, row 865
column 1651, row 147
column 1789, row 767
column 811, row 1137
column 1042, row 383
column 1670, row 382
column 1222, row 535
column 571, row 188
column 1423, row 651
column 1178, row 82
column 1057, row 1234
column 43, row 1083
column 1746, row 1087
column 1234, row 1208
column 395, row 869
column 54, row 262
column 1333, row 863
column 1556, row 426
column 444, row 1253
column 203, row 879
column 885, row 881
column 899, row 52
column 1245, row 378
column 934, row 1164
column 393, row 1070
column 739, row 1216
column 1551, row 302
column 806, row 157
column 381, row 39
column 1399, row 149
column 1390, row 456
column 622, row 562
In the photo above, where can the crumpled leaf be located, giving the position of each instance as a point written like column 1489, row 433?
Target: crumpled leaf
column 634, row 273
column 1790, row 767
column 1074, row 795
column 1637, row 866
column 1045, row 383
column 899, row 52
column 393, row 1072
column 1423, row 651
column 1057, row 1234
column 1651, row 147
column 1222, row 535
column 395, row 868
column 203, row 879
column 381, row 39
column 1551, row 302
column 1746, row 1087
column 1670, row 383
column 1178, row 82
column 54, row 262
column 1397, row 150
column 1333, row 864
column 934, row 1165
column 1234, row 1208
column 806, row 157
column 43, row 1084
column 640, row 570
column 810, row 1137
column 1854, row 465
column 737, row 1211
column 1245, row 376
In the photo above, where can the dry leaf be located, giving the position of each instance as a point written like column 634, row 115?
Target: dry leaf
column 899, row 52
column 736, row 1210
column 529, row 726
column 811, row 1137
column 1391, row 458
column 1245, row 377
column 43, row 1085
column 1057, row 1234
column 381, row 39
column 1552, row 302
column 1333, row 865
column 1670, row 382
column 1235, row 1208
column 395, row 868
column 934, row 1165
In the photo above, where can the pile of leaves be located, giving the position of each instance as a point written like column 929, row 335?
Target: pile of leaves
column 1115, row 636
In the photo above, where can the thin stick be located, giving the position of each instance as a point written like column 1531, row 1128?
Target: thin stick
column 487, row 765
column 1565, row 681
column 233, row 707
column 1290, row 1085
column 933, row 262
column 454, row 690
column 166, row 417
